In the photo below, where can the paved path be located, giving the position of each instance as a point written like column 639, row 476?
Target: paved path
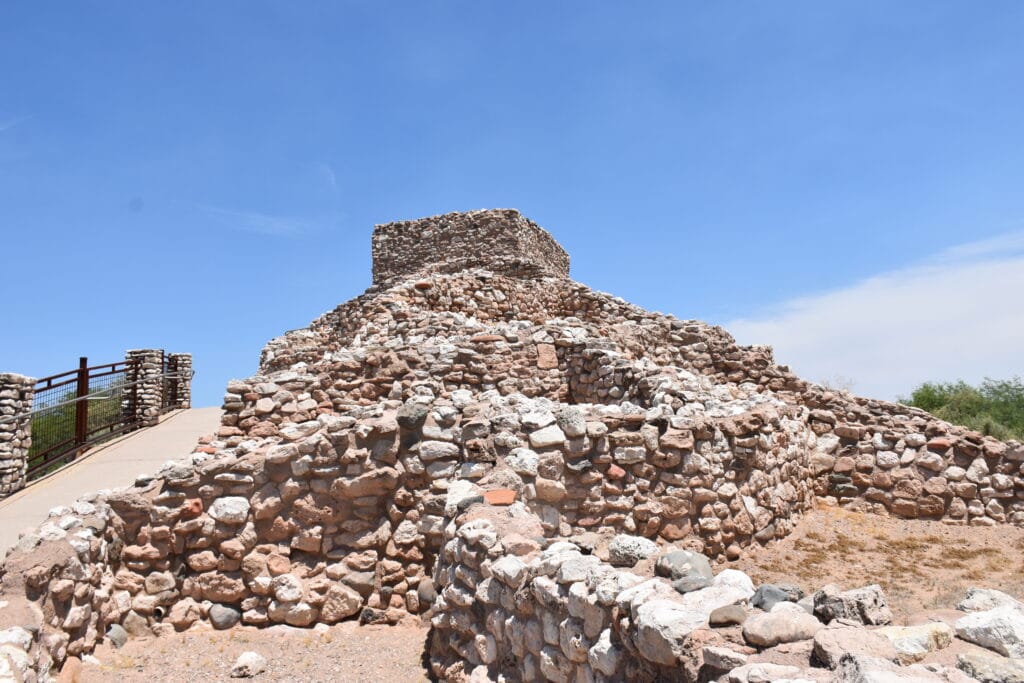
column 115, row 464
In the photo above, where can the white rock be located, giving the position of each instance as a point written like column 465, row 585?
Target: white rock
column 510, row 570
column 248, row 665
column 913, row 643
column 230, row 509
column 981, row 599
column 16, row 635
column 1000, row 629
column 523, row 461
column 603, row 655
column 287, row 588
column 625, row 550
column 547, row 437
column 662, row 628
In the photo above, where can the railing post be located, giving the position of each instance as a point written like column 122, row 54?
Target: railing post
column 17, row 393
column 182, row 364
column 145, row 367
column 82, row 405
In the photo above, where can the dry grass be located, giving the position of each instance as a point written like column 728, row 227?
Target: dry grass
column 919, row 564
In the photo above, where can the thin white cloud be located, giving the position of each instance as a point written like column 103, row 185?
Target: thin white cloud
column 329, row 174
column 260, row 223
column 958, row 316
column 11, row 123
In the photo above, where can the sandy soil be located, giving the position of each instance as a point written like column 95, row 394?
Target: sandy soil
column 345, row 653
column 921, row 565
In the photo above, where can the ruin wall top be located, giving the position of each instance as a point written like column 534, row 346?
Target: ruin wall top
column 500, row 240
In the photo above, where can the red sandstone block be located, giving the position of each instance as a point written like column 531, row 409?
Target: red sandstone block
column 500, row 497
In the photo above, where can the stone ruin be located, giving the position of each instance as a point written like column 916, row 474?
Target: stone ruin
column 456, row 441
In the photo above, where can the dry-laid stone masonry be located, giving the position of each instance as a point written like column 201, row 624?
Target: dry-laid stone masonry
column 16, row 396
column 461, row 441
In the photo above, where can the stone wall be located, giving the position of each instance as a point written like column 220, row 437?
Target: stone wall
column 180, row 364
column 501, row 240
column 145, row 393
column 16, row 395
column 508, row 608
column 329, row 491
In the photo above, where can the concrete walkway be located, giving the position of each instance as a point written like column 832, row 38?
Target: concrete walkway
column 115, row 464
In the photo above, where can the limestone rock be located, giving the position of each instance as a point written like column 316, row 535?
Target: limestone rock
column 678, row 564
column 989, row 668
column 866, row 605
column 913, row 643
column 625, row 550
column 982, row 599
column 249, row 664
column 230, row 509
column 780, row 626
column 1000, row 629
column 833, row 642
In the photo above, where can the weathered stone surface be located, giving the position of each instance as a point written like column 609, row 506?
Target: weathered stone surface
column 832, row 643
column 866, row 605
column 249, row 664
column 914, row 643
column 785, row 625
column 1000, row 629
column 625, row 550
column 662, row 628
column 678, row 564
column 768, row 595
column 728, row 615
column 230, row 510
column 981, row 599
column 224, row 616
column 989, row 668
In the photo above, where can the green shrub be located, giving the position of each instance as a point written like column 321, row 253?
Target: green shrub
column 994, row 407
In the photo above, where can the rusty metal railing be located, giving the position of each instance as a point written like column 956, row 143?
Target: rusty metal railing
column 74, row 410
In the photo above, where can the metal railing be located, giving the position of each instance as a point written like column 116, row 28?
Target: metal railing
column 77, row 409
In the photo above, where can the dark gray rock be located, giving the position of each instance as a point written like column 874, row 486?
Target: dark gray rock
column 426, row 592
column 117, row 635
column 224, row 616
column 768, row 595
column 411, row 415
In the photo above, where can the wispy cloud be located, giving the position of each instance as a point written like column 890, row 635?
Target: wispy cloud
column 8, row 124
column 328, row 173
column 960, row 314
column 260, row 223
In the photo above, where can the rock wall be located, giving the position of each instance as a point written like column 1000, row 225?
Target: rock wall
column 16, row 396
column 508, row 607
column 501, row 240
column 330, row 488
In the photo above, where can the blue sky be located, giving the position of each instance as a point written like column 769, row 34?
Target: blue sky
column 203, row 176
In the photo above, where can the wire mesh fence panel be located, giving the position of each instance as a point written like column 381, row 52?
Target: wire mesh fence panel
column 53, row 419
column 75, row 410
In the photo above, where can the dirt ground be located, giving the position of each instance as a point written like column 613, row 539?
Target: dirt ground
column 921, row 565
column 345, row 653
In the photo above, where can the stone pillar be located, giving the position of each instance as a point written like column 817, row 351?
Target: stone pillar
column 143, row 395
column 16, row 395
column 180, row 364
